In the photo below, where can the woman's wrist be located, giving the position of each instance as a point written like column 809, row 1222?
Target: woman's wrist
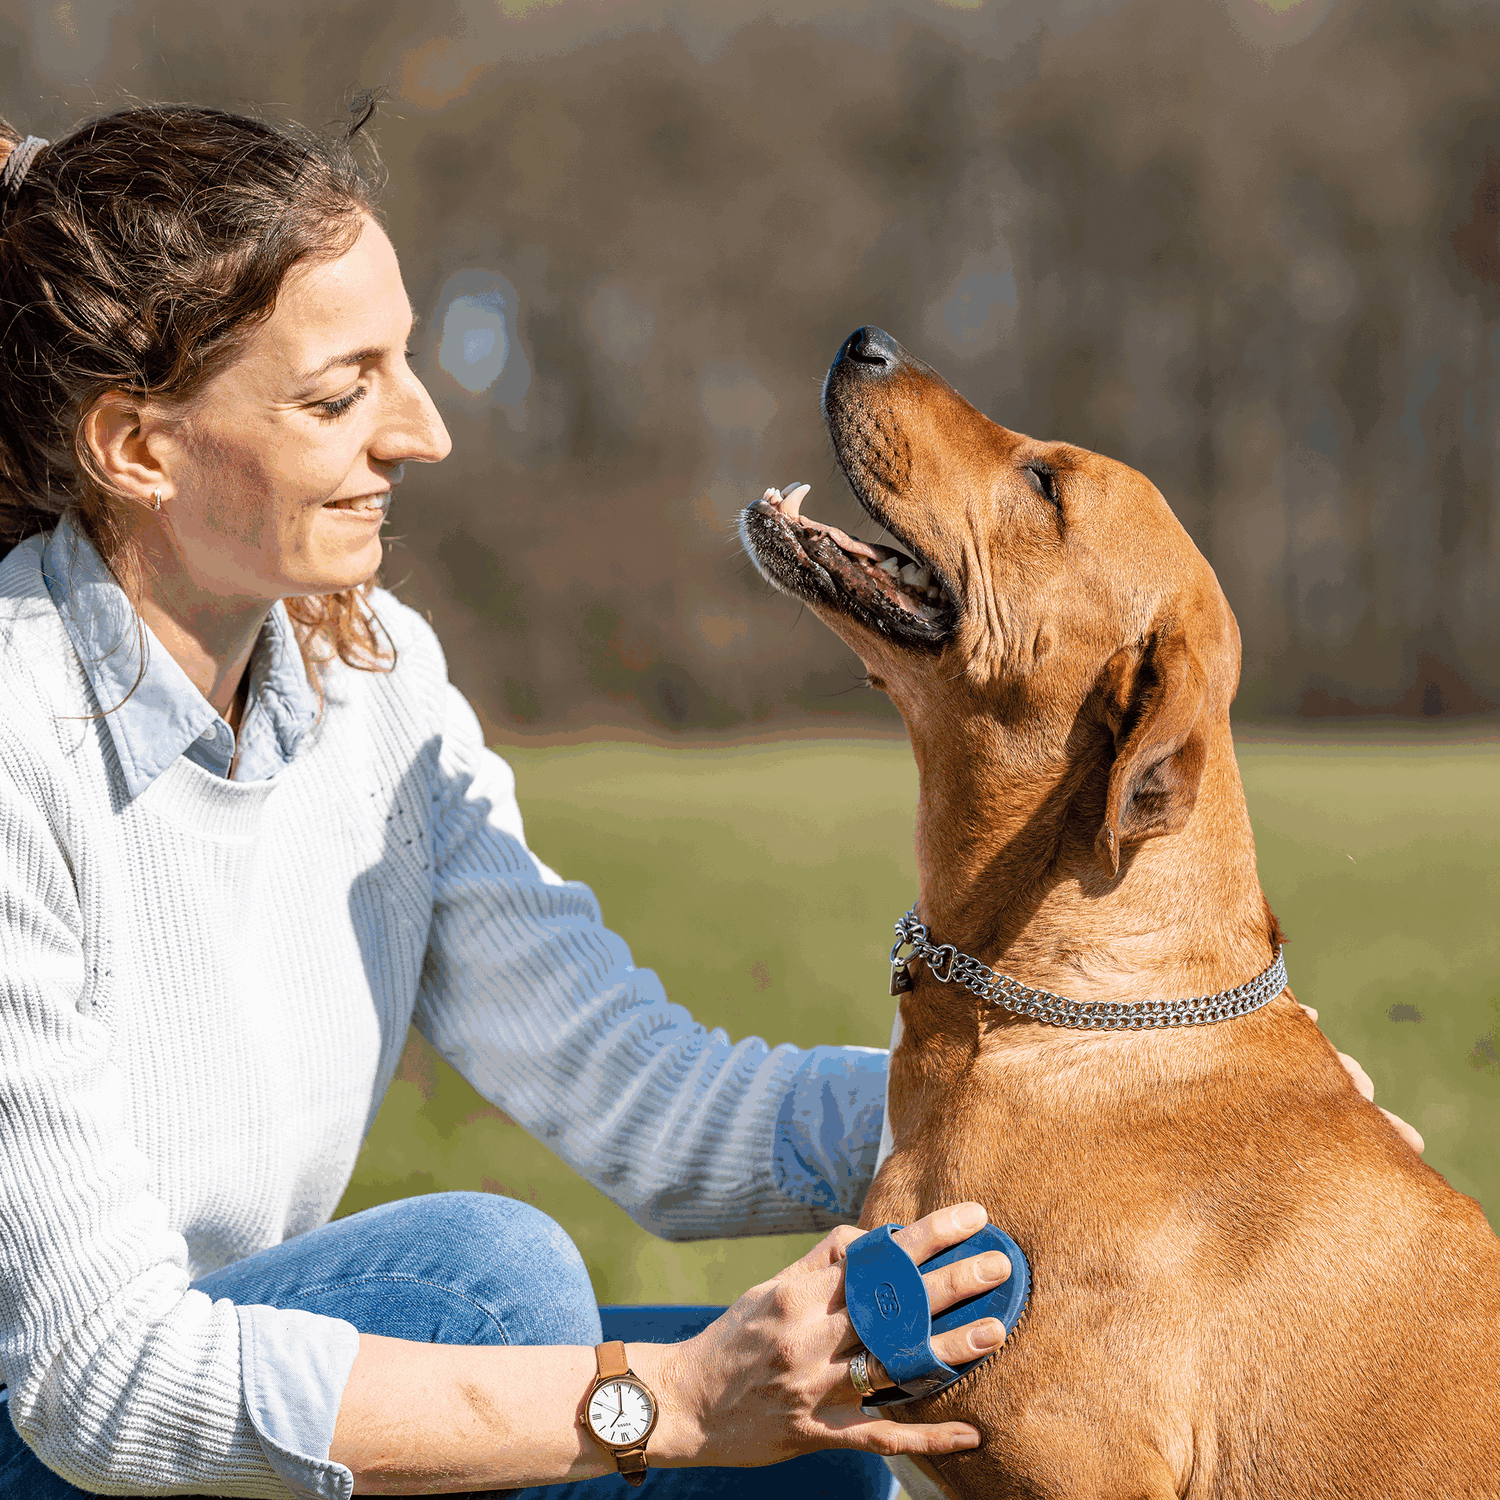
column 678, row 1439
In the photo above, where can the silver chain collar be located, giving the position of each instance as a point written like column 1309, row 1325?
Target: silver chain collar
column 948, row 966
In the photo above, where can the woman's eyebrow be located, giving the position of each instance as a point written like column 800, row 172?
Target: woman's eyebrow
column 337, row 361
column 340, row 361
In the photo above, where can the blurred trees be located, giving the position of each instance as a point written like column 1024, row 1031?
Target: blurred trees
column 1249, row 248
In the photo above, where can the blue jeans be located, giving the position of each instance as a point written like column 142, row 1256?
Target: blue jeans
column 474, row 1268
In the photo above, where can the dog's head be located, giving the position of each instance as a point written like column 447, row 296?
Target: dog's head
column 1034, row 583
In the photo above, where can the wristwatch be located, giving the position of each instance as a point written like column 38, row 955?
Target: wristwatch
column 620, row 1412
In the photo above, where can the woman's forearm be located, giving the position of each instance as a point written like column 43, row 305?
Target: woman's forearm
column 421, row 1419
column 436, row 1418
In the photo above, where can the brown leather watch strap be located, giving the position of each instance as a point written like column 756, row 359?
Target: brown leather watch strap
column 614, row 1365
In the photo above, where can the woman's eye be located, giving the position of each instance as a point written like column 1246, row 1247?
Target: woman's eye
column 331, row 411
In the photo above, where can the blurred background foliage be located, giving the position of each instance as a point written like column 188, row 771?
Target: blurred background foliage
column 1249, row 246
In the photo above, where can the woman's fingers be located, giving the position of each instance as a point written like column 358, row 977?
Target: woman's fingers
column 1361, row 1079
column 972, row 1341
column 965, row 1278
column 945, row 1286
column 1408, row 1133
column 922, row 1240
column 939, row 1231
column 958, row 1347
column 880, row 1435
column 1365, row 1085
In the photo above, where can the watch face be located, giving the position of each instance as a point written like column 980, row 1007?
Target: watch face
column 620, row 1412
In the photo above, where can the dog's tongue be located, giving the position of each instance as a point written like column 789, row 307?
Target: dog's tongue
column 790, row 505
column 851, row 544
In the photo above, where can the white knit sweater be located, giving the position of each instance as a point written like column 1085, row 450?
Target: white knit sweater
column 204, row 990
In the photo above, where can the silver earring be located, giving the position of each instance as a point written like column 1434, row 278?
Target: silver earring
column 155, row 499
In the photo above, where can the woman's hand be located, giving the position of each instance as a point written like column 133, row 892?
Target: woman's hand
column 1366, row 1086
column 770, row 1379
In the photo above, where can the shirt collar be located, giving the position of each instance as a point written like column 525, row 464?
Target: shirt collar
column 153, row 711
column 281, row 707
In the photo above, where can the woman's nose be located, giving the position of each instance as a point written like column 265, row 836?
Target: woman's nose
column 414, row 432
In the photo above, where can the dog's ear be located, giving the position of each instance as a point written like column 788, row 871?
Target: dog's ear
column 1157, row 698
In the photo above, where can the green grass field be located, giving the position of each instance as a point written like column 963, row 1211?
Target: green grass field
column 761, row 883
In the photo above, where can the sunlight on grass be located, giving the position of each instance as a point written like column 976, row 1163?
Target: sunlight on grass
column 761, row 883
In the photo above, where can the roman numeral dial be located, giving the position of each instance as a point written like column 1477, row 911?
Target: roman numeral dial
column 620, row 1412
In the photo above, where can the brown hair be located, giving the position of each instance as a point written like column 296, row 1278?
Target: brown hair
column 139, row 253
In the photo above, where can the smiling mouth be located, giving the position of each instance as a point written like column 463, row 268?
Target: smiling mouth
column 363, row 504
column 891, row 591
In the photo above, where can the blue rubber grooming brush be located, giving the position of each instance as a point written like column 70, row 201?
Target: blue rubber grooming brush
column 887, row 1303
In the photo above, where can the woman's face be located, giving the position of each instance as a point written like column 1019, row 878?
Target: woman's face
column 280, row 474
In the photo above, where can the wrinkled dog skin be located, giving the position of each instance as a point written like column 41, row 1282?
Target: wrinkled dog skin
column 1246, row 1284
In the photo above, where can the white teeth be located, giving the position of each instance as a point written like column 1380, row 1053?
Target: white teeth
column 913, row 576
column 789, row 503
column 891, row 566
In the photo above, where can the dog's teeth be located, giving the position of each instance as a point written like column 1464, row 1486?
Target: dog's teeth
column 891, row 566
column 911, row 575
column 795, row 495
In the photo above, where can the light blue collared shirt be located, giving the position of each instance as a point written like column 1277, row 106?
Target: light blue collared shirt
column 157, row 714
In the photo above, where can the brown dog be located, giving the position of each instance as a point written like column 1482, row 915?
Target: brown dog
column 1245, row 1283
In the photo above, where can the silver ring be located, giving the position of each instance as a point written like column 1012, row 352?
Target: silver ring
column 859, row 1374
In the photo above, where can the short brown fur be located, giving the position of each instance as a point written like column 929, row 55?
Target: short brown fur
column 1245, row 1283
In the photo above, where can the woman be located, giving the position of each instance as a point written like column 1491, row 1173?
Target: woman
column 249, row 833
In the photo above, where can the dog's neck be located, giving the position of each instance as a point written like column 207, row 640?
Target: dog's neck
column 1009, row 872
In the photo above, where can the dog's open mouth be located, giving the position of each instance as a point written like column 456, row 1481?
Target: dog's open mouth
column 884, row 588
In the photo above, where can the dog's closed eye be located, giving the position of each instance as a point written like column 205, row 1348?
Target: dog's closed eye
column 1044, row 481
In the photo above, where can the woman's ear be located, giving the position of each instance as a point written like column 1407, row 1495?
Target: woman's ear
column 1160, row 697
column 123, row 435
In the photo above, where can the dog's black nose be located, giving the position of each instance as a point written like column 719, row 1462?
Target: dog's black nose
column 872, row 347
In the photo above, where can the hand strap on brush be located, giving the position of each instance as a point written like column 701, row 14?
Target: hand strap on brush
column 887, row 1303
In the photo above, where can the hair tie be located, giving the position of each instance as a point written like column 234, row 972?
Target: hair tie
column 17, row 164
